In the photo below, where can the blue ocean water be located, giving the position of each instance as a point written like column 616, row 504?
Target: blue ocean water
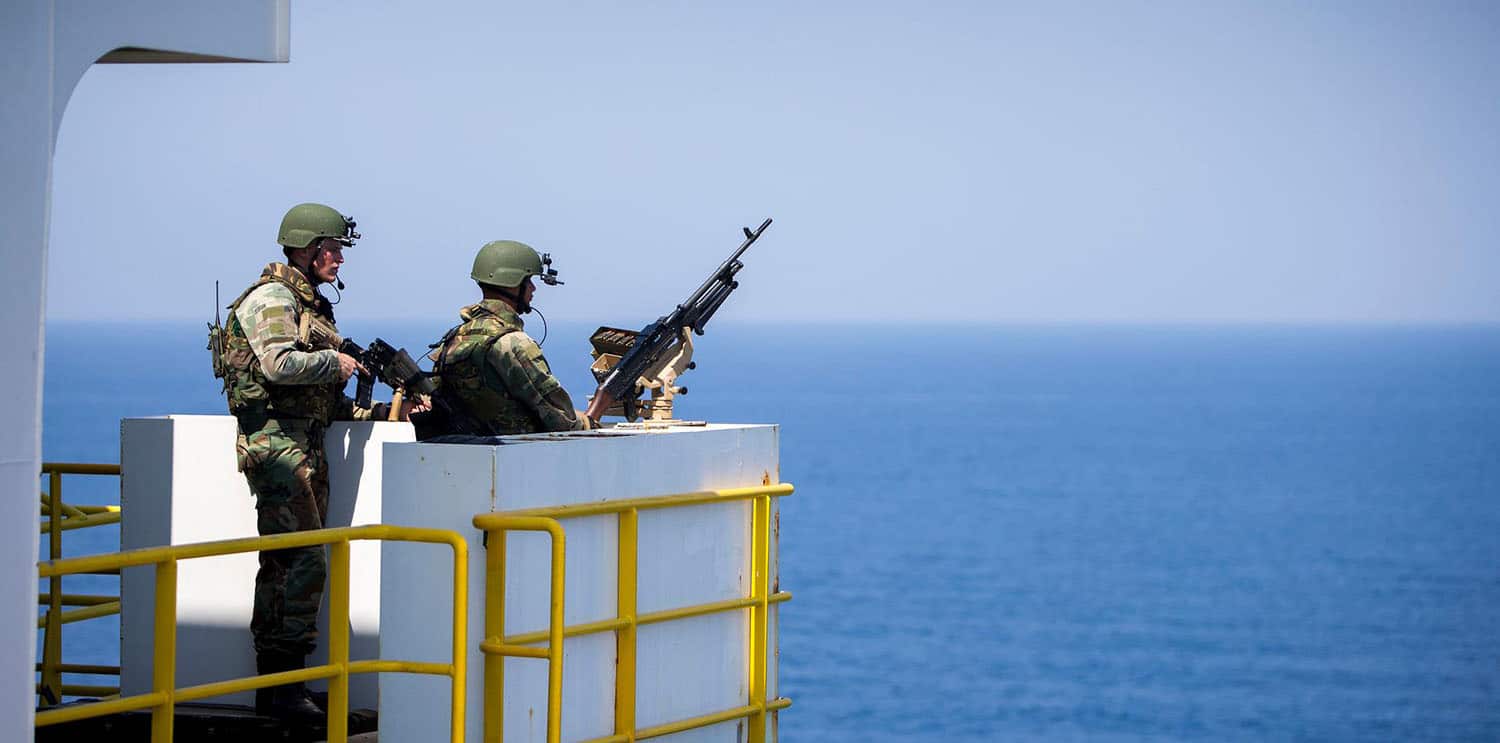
column 1059, row 533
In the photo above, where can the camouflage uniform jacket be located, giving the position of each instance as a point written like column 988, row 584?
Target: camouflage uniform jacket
column 281, row 354
column 488, row 368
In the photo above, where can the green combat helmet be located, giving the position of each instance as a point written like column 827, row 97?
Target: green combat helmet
column 305, row 223
column 507, row 263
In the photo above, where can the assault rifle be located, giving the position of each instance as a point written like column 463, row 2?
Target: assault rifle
column 396, row 368
column 393, row 366
column 655, row 356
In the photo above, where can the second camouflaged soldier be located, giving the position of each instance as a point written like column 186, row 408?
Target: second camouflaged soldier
column 285, row 377
column 491, row 377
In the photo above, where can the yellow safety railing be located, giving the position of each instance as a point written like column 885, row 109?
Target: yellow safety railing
column 497, row 646
column 62, row 517
column 163, row 697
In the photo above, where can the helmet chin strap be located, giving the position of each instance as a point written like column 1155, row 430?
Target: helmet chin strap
column 522, row 306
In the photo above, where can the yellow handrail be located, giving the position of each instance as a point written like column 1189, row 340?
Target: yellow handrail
column 62, row 517
column 497, row 646
column 83, row 520
column 163, row 697
column 80, row 468
column 496, row 526
column 107, row 609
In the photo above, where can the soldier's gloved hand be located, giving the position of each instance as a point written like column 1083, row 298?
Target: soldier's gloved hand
column 348, row 366
column 410, row 405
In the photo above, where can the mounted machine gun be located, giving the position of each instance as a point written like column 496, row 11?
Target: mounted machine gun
column 628, row 363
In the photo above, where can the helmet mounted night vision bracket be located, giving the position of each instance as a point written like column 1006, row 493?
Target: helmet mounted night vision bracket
column 349, row 234
column 548, row 274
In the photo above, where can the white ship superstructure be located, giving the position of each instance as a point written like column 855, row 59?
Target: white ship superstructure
column 45, row 48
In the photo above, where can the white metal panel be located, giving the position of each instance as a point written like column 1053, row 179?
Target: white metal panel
column 179, row 486
column 25, row 189
column 686, row 557
column 354, row 498
column 183, row 30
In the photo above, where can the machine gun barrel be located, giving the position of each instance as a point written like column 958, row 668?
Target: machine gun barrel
column 729, row 267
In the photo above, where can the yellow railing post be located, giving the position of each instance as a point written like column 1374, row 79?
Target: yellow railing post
column 494, row 627
column 625, row 636
column 458, row 674
column 52, row 640
column 555, row 636
column 760, row 572
column 338, row 641
column 164, row 657
column 495, row 648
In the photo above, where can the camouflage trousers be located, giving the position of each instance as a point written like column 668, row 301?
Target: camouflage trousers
column 288, row 473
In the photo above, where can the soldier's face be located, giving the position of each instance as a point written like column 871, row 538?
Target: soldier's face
column 527, row 290
column 325, row 267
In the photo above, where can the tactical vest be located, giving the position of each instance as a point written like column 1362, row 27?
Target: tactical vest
column 252, row 398
column 468, row 384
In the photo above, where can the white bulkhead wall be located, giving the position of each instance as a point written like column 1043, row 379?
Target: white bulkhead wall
column 183, row 487
column 687, row 556
column 45, row 47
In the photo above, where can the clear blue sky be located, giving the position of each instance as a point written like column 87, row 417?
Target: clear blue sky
column 972, row 162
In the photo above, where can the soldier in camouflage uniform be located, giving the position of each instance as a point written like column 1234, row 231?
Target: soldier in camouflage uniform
column 284, row 377
column 487, row 369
